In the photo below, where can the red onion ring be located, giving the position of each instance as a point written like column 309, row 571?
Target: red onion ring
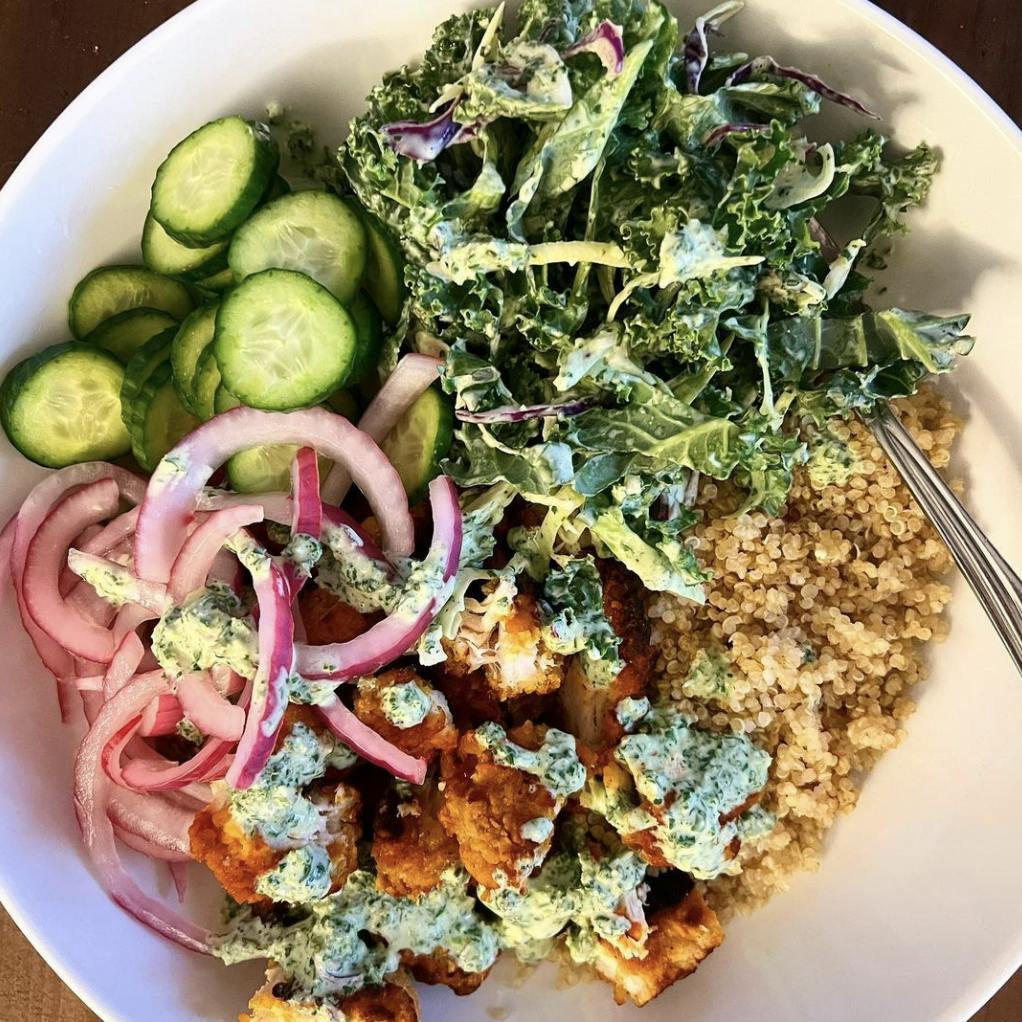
column 276, row 660
column 410, row 378
column 123, row 665
column 161, row 716
column 390, row 638
column 368, row 744
column 35, row 508
column 46, row 556
column 199, row 553
column 92, row 799
column 306, row 507
column 175, row 486
column 207, row 709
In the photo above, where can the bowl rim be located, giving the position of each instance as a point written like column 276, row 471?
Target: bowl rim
column 986, row 983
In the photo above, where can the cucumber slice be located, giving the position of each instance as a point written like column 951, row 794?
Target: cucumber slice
column 420, row 441
column 149, row 357
column 261, row 469
column 345, row 403
column 109, row 290
column 283, row 341
column 312, row 232
column 162, row 253
column 193, row 337
column 211, row 182
column 385, row 272
column 370, row 338
column 62, row 405
column 122, row 335
column 206, row 384
column 218, row 282
column 158, row 419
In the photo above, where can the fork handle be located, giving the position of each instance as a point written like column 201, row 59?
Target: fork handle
column 995, row 583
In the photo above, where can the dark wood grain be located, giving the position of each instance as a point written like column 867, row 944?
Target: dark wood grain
column 51, row 49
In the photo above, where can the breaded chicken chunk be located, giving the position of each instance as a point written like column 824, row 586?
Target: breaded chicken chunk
column 396, row 1001
column 438, row 969
column 486, row 805
column 588, row 710
column 235, row 858
column 340, row 805
column 410, row 846
column 680, row 938
column 435, row 733
column 469, row 696
column 238, row 859
column 521, row 663
column 501, row 635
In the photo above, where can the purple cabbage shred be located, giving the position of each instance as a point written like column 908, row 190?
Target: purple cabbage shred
column 607, row 41
column 509, row 413
column 425, row 141
column 767, row 65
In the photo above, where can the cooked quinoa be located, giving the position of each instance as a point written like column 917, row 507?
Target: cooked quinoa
column 815, row 625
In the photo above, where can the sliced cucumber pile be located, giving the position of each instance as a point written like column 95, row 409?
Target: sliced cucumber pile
column 283, row 341
column 109, row 290
column 249, row 294
column 158, row 419
column 153, row 413
column 62, row 405
column 218, row 282
column 420, row 441
column 149, row 357
column 213, row 180
column 314, row 233
column 122, row 335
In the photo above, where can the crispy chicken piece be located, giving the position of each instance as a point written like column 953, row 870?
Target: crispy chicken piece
column 434, row 735
column 341, row 808
column 680, row 938
column 395, row 1001
column 521, row 664
column 410, row 846
column 501, row 635
column 327, row 618
column 238, row 859
column 485, row 806
column 438, row 969
column 235, row 858
column 588, row 710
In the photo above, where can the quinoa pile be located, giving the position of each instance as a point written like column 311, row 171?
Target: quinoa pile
column 811, row 639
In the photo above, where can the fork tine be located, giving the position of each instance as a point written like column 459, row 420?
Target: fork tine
column 996, row 585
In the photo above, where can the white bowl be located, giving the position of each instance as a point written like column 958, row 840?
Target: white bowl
column 916, row 915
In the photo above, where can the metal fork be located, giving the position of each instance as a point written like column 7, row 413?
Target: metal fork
column 996, row 585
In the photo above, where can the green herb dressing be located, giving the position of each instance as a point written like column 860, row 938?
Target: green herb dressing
column 210, row 629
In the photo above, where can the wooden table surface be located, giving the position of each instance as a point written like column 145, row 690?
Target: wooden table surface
column 51, row 49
